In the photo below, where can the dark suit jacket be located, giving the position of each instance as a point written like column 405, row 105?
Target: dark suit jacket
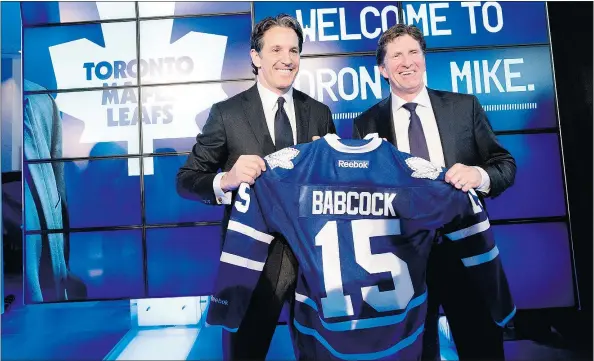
column 466, row 135
column 235, row 127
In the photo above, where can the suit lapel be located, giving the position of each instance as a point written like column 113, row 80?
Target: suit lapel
column 301, row 117
column 385, row 123
column 444, row 116
column 252, row 106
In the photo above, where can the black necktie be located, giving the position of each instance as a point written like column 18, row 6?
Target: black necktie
column 416, row 137
column 283, row 135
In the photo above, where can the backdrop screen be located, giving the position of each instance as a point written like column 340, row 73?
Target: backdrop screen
column 115, row 94
column 182, row 261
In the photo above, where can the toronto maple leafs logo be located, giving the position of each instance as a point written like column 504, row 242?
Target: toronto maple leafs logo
column 112, row 115
column 283, row 158
column 422, row 168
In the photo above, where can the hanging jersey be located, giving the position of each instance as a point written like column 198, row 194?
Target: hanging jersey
column 360, row 217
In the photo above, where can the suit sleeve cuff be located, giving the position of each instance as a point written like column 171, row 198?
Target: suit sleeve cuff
column 485, row 185
column 221, row 197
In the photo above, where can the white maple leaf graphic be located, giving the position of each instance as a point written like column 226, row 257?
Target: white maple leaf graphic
column 422, row 168
column 169, row 111
column 282, row 158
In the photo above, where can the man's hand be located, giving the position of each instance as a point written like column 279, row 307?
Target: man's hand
column 245, row 170
column 463, row 177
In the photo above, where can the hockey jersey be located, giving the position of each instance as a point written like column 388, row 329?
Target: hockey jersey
column 360, row 217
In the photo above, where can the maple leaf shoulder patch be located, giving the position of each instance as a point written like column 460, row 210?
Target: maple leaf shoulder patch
column 422, row 168
column 283, row 158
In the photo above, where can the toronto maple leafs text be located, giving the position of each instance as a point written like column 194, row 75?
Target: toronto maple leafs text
column 156, row 106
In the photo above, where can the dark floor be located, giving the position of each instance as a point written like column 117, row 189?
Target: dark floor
column 103, row 331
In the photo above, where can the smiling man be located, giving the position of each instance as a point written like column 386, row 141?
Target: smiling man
column 269, row 116
column 451, row 130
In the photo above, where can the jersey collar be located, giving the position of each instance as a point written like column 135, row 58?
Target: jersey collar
column 333, row 141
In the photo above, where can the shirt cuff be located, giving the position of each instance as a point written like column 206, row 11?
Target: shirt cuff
column 221, row 197
column 485, row 185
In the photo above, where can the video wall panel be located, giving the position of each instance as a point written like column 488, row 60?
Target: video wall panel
column 89, row 193
column 61, row 12
column 182, row 261
column 538, row 263
column 80, row 56
column 163, row 205
column 94, row 265
column 538, row 189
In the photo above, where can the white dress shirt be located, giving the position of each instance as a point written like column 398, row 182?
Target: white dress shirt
column 270, row 106
column 424, row 110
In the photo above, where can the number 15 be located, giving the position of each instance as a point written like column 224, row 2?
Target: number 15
column 336, row 303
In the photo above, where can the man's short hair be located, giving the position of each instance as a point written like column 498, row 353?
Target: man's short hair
column 282, row 20
column 395, row 32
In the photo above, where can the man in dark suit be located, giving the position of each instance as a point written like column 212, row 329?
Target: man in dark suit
column 451, row 130
column 241, row 130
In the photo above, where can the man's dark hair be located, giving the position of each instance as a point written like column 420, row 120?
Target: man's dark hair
column 282, row 20
column 395, row 32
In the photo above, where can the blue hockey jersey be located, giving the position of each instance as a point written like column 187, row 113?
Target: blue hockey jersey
column 360, row 217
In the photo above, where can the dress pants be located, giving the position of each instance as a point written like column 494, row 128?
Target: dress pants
column 275, row 286
column 476, row 335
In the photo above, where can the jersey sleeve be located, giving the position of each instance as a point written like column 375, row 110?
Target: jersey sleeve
column 245, row 250
column 470, row 233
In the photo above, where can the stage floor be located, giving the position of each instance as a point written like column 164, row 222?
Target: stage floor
column 102, row 331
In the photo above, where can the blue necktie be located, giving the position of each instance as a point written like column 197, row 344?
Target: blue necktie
column 283, row 135
column 416, row 137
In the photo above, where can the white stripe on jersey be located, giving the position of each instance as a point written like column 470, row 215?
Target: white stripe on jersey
column 481, row 258
column 241, row 261
column 467, row 232
column 250, row 232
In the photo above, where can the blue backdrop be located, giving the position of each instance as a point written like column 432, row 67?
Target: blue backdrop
column 128, row 93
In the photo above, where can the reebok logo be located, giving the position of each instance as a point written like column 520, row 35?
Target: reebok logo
column 363, row 164
column 219, row 301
